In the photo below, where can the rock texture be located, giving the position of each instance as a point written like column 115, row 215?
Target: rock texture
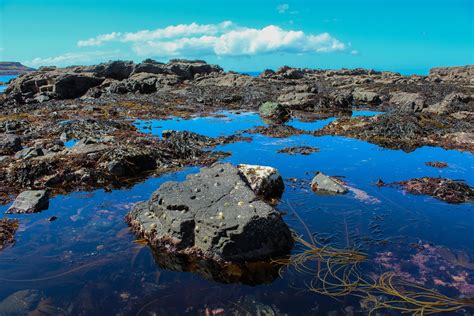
column 264, row 181
column 30, row 202
column 8, row 228
column 322, row 183
column 214, row 214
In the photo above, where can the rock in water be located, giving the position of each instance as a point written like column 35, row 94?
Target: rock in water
column 264, row 181
column 323, row 183
column 274, row 111
column 214, row 214
column 30, row 202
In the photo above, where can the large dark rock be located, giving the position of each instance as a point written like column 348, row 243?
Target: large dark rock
column 187, row 69
column 214, row 214
column 70, row 86
column 117, row 70
column 275, row 112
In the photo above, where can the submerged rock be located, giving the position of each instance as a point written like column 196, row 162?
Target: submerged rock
column 8, row 228
column 447, row 190
column 30, row 202
column 436, row 164
column 324, row 184
column 302, row 150
column 24, row 302
column 214, row 215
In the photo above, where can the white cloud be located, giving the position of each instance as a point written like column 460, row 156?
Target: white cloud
column 282, row 8
column 99, row 40
column 73, row 58
column 223, row 39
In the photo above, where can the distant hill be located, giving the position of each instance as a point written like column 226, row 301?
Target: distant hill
column 11, row 68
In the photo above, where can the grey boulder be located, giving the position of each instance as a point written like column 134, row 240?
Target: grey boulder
column 9, row 144
column 213, row 214
column 30, row 202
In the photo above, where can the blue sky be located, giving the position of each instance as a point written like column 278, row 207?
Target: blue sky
column 409, row 36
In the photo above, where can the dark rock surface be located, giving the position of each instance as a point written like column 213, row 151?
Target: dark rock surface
column 447, row 190
column 213, row 214
column 302, row 150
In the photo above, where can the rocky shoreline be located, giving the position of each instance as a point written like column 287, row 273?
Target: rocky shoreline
column 95, row 106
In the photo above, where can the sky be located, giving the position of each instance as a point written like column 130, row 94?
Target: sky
column 408, row 36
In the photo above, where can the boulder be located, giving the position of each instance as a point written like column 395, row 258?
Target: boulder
column 408, row 101
column 299, row 100
column 187, row 69
column 322, row 183
column 274, row 111
column 138, row 83
column 451, row 103
column 290, row 73
column 150, row 66
column 9, row 144
column 365, row 96
column 264, row 181
column 117, row 70
column 214, row 214
column 70, row 86
column 30, row 202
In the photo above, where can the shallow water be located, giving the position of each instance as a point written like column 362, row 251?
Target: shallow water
column 5, row 79
column 87, row 262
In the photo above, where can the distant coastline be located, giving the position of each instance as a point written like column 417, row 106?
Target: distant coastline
column 8, row 68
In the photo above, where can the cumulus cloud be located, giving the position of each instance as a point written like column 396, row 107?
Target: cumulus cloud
column 223, row 39
column 282, row 8
column 73, row 58
column 99, row 40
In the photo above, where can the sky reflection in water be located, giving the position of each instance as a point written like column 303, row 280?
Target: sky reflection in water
column 87, row 260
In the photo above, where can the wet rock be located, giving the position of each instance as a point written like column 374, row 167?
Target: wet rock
column 325, row 184
column 30, row 202
column 9, row 144
column 213, row 214
column 408, row 101
column 436, row 164
column 24, row 302
column 264, row 181
column 274, row 111
column 278, row 131
column 8, row 228
column 302, row 150
column 447, row 190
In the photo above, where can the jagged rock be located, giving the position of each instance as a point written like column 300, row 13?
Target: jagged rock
column 264, row 181
column 462, row 72
column 290, row 73
column 274, row 111
column 9, row 144
column 29, row 152
column 447, row 190
column 325, row 184
column 451, row 103
column 137, row 83
column 30, row 202
column 70, row 86
column 187, row 69
column 150, row 66
column 364, row 96
column 117, row 70
column 214, row 214
column 408, row 101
